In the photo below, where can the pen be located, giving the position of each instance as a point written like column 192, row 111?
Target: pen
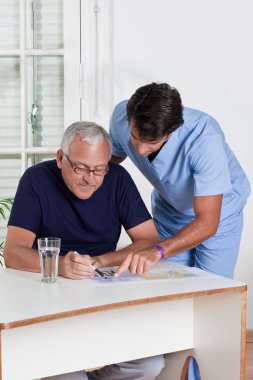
column 99, row 273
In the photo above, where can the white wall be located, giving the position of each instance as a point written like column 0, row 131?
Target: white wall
column 205, row 50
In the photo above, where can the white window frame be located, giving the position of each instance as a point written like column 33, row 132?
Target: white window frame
column 87, row 68
column 71, row 56
column 96, row 69
column 72, row 59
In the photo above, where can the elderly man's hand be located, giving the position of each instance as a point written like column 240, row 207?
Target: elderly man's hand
column 75, row 266
column 139, row 262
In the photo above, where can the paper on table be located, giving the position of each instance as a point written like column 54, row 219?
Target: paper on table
column 169, row 274
column 172, row 274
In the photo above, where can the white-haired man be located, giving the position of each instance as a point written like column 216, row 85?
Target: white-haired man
column 84, row 199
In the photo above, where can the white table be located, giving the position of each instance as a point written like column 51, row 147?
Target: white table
column 47, row 329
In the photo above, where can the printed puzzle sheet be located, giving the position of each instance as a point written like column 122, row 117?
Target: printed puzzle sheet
column 155, row 275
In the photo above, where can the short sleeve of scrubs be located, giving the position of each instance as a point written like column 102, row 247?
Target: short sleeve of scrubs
column 209, row 163
column 118, row 117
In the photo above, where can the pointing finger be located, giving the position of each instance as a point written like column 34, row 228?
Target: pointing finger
column 124, row 266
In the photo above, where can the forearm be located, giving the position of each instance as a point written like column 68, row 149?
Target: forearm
column 22, row 258
column 115, row 258
column 190, row 236
column 187, row 238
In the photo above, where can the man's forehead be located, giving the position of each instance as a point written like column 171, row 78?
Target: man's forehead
column 134, row 130
column 135, row 134
column 90, row 154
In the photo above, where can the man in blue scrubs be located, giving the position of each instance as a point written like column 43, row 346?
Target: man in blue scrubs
column 200, row 188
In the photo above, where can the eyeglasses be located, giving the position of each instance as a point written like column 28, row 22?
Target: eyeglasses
column 86, row 170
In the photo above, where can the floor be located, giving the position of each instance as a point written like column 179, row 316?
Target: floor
column 249, row 361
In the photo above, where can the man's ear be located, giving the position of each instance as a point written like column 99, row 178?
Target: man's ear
column 167, row 137
column 59, row 158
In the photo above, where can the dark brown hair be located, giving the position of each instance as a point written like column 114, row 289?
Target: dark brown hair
column 156, row 109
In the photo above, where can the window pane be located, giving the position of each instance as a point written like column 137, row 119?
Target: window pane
column 9, row 24
column 45, row 101
column 9, row 102
column 10, row 170
column 45, row 24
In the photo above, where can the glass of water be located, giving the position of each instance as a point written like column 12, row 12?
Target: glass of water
column 49, row 249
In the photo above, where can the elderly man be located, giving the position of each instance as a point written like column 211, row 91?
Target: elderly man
column 83, row 199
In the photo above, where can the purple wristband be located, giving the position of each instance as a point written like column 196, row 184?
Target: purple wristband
column 160, row 249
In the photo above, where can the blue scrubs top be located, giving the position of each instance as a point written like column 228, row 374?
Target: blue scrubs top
column 195, row 161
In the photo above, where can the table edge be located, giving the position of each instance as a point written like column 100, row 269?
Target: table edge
column 117, row 305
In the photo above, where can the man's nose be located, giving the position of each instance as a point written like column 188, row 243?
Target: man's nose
column 142, row 148
column 89, row 175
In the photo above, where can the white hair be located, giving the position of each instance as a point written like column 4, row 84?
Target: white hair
column 90, row 132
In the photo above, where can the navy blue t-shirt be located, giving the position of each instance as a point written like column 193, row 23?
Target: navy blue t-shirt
column 44, row 205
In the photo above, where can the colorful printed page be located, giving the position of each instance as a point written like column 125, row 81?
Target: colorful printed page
column 169, row 274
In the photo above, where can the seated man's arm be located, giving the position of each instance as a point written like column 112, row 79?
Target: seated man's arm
column 19, row 254
column 142, row 235
column 18, row 251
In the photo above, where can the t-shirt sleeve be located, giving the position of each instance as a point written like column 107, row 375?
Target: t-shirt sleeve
column 113, row 131
column 132, row 209
column 209, row 164
column 26, row 209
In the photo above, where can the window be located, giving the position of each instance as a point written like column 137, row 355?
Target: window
column 52, row 73
column 96, row 61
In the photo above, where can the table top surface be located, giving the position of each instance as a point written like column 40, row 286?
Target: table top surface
column 26, row 300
